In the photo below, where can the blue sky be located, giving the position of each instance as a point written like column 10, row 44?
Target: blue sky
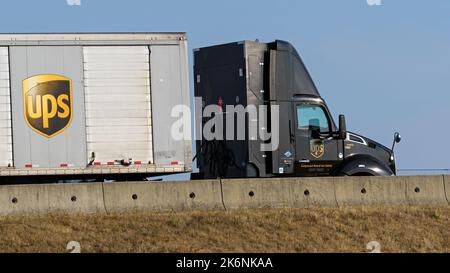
column 387, row 67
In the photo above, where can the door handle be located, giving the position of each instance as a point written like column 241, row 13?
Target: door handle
column 291, row 135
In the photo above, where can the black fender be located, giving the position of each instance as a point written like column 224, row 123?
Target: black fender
column 363, row 165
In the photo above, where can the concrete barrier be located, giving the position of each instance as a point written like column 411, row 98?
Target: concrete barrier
column 368, row 191
column 426, row 190
column 278, row 193
column 44, row 199
column 447, row 187
column 223, row 194
column 163, row 196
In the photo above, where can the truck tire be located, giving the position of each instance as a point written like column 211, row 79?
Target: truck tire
column 364, row 166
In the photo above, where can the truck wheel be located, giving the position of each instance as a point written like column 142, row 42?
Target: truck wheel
column 356, row 174
column 362, row 174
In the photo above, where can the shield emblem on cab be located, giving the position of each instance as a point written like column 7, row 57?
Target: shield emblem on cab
column 47, row 104
column 317, row 148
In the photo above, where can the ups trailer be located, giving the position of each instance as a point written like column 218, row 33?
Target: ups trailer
column 92, row 105
column 310, row 144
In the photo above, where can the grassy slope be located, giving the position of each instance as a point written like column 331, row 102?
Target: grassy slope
column 399, row 229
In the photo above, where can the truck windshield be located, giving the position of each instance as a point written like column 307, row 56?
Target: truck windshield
column 312, row 117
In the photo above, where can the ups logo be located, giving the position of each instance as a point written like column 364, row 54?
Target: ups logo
column 47, row 104
column 317, row 148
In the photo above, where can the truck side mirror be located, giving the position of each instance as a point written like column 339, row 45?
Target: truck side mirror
column 397, row 138
column 315, row 132
column 342, row 127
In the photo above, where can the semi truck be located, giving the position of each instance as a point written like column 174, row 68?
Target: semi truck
column 310, row 143
column 98, row 106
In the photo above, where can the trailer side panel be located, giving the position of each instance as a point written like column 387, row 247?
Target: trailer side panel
column 30, row 147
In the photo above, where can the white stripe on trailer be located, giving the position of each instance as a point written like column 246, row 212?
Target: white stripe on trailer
column 118, row 103
column 6, row 156
column 103, row 169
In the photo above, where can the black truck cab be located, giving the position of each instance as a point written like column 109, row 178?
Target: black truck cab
column 310, row 142
column 331, row 151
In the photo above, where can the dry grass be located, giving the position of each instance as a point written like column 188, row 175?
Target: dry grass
column 399, row 229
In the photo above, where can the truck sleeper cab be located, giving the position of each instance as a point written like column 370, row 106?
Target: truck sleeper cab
column 310, row 143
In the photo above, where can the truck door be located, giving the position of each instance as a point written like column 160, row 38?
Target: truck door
column 317, row 152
